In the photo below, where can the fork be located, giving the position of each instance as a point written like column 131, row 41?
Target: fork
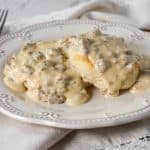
column 3, row 16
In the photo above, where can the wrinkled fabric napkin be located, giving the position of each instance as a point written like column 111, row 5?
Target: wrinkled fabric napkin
column 134, row 12
column 135, row 136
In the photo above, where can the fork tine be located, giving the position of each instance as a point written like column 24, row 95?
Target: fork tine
column 2, row 13
column 3, row 18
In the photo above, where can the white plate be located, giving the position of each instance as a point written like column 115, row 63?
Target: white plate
column 99, row 111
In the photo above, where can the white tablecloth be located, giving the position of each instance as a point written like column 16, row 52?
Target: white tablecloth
column 136, row 136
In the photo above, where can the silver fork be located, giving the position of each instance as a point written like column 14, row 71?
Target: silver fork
column 3, row 16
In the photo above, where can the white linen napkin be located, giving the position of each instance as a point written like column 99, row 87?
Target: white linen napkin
column 16, row 135
column 133, row 136
column 134, row 12
column 22, row 136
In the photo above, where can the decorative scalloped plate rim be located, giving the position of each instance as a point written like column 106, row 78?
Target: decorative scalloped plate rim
column 52, row 118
